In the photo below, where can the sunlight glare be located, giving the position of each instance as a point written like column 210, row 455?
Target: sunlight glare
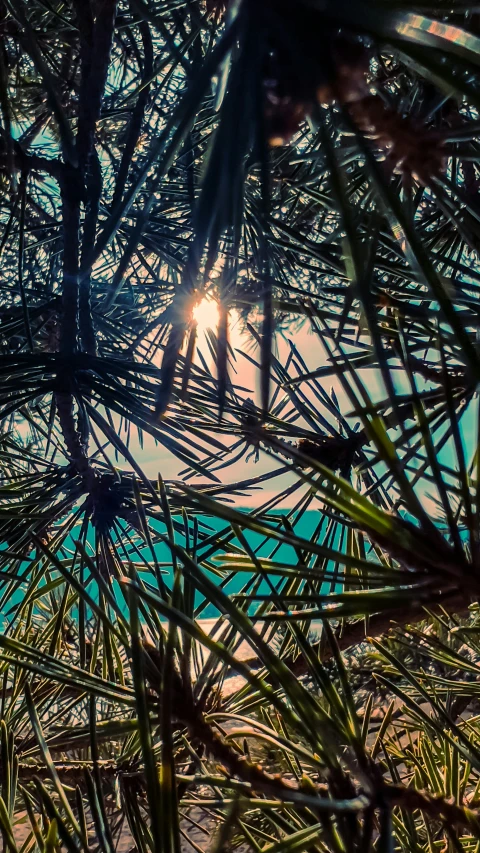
column 206, row 314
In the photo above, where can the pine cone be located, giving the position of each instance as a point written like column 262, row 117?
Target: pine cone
column 412, row 149
column 335, row 452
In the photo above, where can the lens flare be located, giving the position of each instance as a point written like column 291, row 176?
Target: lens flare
column 206, row 314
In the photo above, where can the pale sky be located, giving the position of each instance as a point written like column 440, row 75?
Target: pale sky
column 155, row 459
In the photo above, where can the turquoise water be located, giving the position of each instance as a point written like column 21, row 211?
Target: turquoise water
column 305, row 528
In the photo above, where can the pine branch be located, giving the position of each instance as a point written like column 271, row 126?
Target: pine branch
column 395, row 796
column 76, row 448
column 138, row 114
column 24, row 162
column 96, row 39
column 93, row 195
column 353, row 633
column 96, row 47
column 435, row 807
column 71, row 192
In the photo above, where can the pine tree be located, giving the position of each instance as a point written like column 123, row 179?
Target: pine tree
column 299, row 165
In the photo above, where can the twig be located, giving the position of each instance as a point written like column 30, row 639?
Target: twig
column 357, row 632
column 76, row 449
column 436, row 807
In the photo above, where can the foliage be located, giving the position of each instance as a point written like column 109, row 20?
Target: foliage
column 310, row 163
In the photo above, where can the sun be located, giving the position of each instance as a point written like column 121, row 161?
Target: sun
column 206, row 314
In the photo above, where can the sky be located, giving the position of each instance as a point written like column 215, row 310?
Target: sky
column 155, row 459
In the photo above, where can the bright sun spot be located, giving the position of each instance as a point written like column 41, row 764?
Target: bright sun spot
column 206, row 314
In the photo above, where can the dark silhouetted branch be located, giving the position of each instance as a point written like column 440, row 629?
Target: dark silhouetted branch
column 137, row 115
column 96, row 43
column 71, row 199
